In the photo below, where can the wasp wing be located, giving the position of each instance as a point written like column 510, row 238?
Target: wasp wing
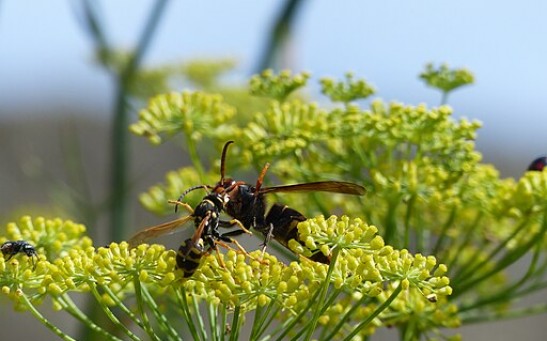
column 319, row 186
column 158, row 230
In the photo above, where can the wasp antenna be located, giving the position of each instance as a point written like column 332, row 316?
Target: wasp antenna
column 205, row 187
column 192, row 189
column 260, row 179
column 223, row 160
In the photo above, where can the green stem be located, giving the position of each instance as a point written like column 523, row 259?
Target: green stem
column 346, row 317
column 24, row 299
column 120, row 134
column 199, row 319
column 278, row 35
column 409, row 331
column 444, row 97
column 391, row 222
column 257, row 322
column 223, row 322
column 468, row 271
column 194, row 155
column 213, row 322
column 78, row 185
column 95, row 26
column 443, row 234
column 140, row 306
column 530, row 289
column 467, row 238
column 236, row 324
column 508, row 293
column 376, row 312
column 327, row 304
column 160, row 317
column 289, row 323
column 120, row 305
column 118, row 196
column 513, row 293
column 183, row 304
column 408, row 216
column 517, row 313
column 72, row 309
column 269, row 316
column 312, row 325
column 508, row 259
column 109, row 313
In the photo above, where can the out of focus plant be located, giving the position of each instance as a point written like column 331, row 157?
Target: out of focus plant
column 446, row 79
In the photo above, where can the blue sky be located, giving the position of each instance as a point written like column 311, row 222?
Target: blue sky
column 46, row 58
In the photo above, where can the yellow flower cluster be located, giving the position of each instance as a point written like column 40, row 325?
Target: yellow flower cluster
column 446, row 79
column 346, row 91
column 276, row 86
column 361, row 264
column 194, row 113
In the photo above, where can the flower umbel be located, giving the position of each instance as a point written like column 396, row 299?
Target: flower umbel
column 194, row 113
column 142, row 283
column 348, row 91
column 445, row 79
column 277, row 87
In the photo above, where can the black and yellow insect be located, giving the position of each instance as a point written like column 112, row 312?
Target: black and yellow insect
column 206, row 237
column 189, row 255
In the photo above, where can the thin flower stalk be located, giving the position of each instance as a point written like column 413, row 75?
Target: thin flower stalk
column 28, row 304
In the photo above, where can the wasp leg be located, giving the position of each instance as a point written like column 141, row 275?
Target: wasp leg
column 268, row 235
column 33, row 262
column 233, row 222
column 225, row 239
column 183, row 204
column 220, row 260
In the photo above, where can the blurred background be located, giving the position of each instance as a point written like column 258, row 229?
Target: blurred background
column 62, row 99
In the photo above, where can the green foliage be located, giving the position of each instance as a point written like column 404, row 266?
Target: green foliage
column 429, row 200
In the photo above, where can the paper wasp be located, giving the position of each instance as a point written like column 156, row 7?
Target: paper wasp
column 247, row 204
column 206, row 237
column 11, row 248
